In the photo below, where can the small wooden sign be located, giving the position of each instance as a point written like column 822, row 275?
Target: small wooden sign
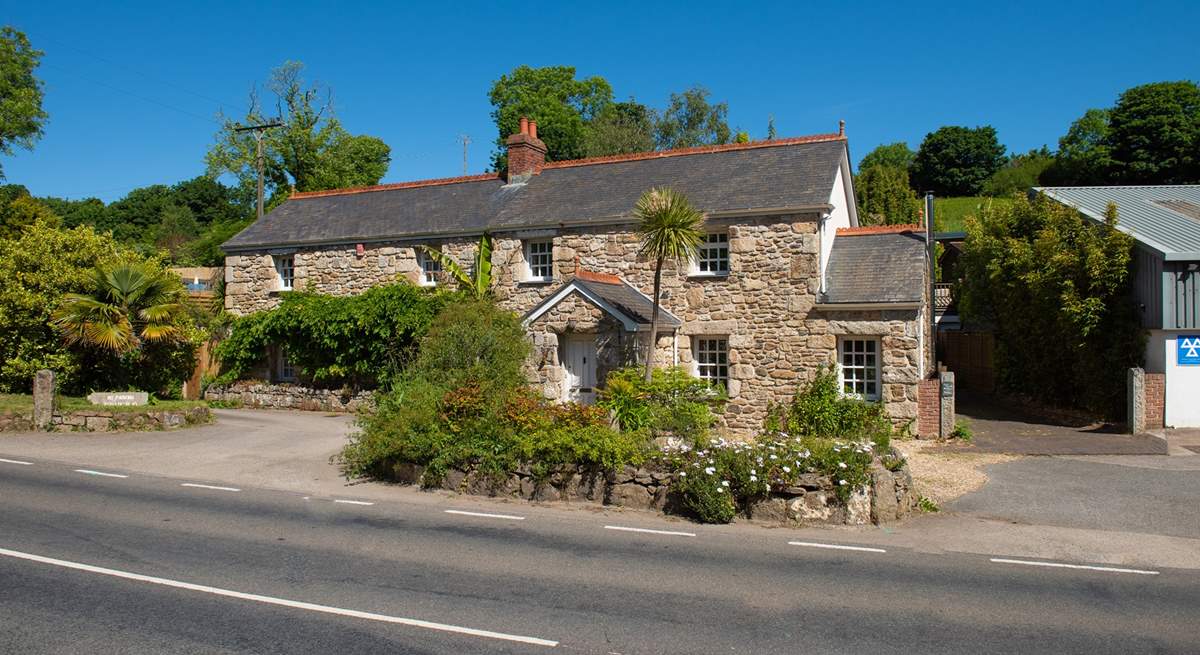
column 119, row 398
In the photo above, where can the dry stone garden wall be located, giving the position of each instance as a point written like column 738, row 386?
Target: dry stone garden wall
column 106, row 420
column 813, row 500
column 266, row 395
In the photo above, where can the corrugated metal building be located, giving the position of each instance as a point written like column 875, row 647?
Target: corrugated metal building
column 1165, row 221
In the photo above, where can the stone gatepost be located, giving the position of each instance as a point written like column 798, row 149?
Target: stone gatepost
column 43, row 399
column 946, row 396
column 1135, row 401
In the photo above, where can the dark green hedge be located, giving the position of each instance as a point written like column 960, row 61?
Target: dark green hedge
column 359, row 341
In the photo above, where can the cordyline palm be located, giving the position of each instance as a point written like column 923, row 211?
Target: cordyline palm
column 671, row 228
column 130, row 304
column 479, row 282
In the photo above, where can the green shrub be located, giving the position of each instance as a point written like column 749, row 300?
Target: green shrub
column 359, row 341
column 463, row 403
column 819, row 409
column 673, row 402
column 962, row 430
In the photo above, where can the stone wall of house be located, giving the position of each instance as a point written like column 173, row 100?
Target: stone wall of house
column 575, row 315
column 765, row 306
column 266, row 395
column 890, row 496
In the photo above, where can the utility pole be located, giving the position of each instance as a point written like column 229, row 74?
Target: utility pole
column 466, row 141
column 258, row 139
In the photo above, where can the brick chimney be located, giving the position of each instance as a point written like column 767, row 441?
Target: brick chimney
column 526, row 152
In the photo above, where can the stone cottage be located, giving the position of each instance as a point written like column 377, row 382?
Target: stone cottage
column 785, row 280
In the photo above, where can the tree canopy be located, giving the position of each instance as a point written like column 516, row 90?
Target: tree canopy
column 1084, row 155
column 956, row 161
column 885, row 197
column 562, row 105
column 21, row 114
column 311, row 151
column 896, row 155
column 1019, row 174
column 621, row 127
column 1154, row 133
column 691, row 120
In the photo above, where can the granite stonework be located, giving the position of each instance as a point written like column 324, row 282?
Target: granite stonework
column 813, row 500
column 766, row 305
column 266, row 395
column 101, row 420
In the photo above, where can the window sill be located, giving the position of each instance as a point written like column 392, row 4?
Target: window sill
column 276, row 292
column 535, row 282
column 704, row 276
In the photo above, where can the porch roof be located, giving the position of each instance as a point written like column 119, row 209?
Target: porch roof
column 612, row 294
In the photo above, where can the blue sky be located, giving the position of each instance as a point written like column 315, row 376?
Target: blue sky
column 132, row 87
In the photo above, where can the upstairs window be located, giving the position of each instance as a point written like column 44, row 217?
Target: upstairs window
column 712, row 360
column 285, row 270
column 713, row 257
column 539, row 256
column 431, row 268
column 859, row 367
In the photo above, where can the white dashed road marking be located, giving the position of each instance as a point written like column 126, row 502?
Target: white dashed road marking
column 1058, row 565
column 100, row 473
column 353, row 502
column 208, row 486
column 282, row 602
column 666, row 532
column 15, row 461
column 485, row 515
column 812, row 544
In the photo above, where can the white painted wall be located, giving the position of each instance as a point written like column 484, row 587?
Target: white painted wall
column 1183, row 382
column 839, row 217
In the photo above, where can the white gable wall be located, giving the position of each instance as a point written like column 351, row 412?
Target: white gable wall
column 839, row 216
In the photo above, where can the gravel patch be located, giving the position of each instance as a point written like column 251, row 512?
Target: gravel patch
column 941, row 474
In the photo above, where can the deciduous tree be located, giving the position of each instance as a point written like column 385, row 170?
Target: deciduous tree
column 896, row 155
column 621, row 128
column 21, row 114
column 1154, row 131
column 311, row 151
column 562, row 105
column 691, row 120
column 885, row 197
column 956, row 161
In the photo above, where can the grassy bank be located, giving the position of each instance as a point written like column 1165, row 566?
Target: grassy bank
column 949, row 213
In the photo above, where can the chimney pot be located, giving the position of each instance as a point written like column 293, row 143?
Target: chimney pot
column 533, row 129
column 841, row 128
column 524, row 125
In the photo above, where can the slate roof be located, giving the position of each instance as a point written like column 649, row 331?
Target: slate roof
column 622, row 296
column 876, row 267
column 1160, row 217
column 787, row 173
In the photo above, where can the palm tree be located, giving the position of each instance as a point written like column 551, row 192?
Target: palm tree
column 129, row 304
column 479, row 282
column 671, row 228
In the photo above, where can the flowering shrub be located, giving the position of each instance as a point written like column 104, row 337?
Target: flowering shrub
column 716, row 480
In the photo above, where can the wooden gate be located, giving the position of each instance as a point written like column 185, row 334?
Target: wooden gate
column 969, row 355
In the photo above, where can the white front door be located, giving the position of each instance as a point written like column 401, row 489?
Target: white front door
column 580, row 360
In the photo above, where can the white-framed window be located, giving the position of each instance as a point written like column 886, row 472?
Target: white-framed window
column 286, row 370
column 712, row 360
column 858, row 360
column 713, row 256
column 431, row 268
column 285, row 270
column 539, row 257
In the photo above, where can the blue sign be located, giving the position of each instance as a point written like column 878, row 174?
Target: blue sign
column 1187, row 351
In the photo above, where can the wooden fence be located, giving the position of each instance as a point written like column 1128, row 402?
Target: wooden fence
column 970, row 356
